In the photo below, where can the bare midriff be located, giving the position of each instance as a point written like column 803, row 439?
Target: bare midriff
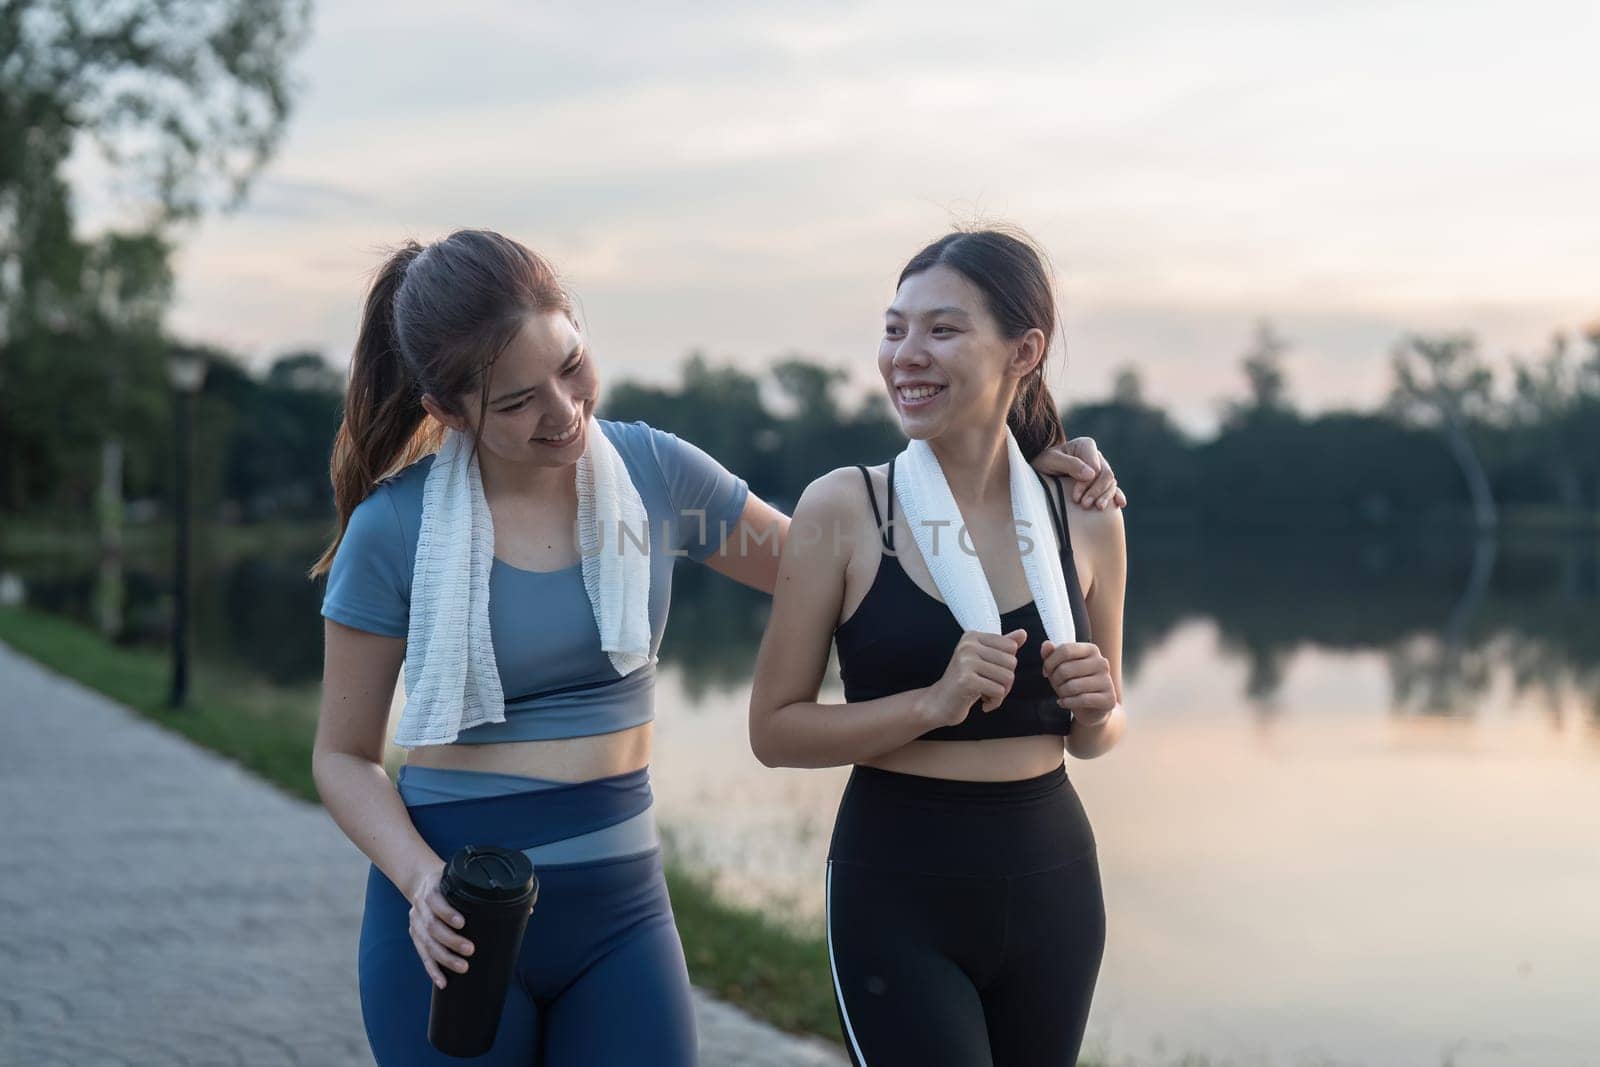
column 569, row 759
column 1001, row 759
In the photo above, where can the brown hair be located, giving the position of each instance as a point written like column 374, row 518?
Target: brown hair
column 1015, row 283
column 435, row 321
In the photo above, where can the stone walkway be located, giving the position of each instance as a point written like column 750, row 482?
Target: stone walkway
column 159, row 905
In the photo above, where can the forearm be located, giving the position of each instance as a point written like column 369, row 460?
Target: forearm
column 809, row 734
column 1087, row 742
column 361, row 799
column 750, row 553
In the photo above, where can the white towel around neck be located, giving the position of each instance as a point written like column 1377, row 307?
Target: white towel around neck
column 452, row 679
column 930, row 510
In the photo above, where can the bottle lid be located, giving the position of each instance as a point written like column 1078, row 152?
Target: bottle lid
column 489, row 874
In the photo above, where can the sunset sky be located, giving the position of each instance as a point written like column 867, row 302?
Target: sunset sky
column 747, row 178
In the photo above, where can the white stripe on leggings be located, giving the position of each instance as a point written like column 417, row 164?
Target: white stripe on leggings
column 849, row 1031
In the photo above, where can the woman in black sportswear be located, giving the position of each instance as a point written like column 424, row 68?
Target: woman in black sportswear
column 965, row 920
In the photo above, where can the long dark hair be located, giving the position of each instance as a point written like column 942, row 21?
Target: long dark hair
column 1011, row 274
column 435, row 321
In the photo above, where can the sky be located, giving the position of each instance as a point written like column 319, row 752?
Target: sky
column 747, row 179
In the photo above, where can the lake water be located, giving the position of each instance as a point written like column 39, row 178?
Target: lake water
column 1356, row 818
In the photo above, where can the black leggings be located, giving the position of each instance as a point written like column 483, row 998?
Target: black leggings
column 965, row 921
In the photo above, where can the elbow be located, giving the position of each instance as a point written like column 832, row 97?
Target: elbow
column 322, row 771
column 766, row 748
column 761, row 746
column 319, row 778
column 331, row 765
column 1080, row 751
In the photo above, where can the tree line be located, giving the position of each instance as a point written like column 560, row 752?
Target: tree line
column 1411, row 598
column 1453, row 445
column 183, row 101
column 187, row 99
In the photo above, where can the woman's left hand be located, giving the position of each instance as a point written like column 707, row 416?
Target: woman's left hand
column 1081, row 461
column 1081, row 678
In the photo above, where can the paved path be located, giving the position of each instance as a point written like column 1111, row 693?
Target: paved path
column 103, row 817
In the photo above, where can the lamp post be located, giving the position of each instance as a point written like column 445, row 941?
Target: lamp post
column 188, row 372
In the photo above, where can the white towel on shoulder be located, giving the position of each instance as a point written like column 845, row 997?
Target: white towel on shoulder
column 452, row 679
column 926, row 501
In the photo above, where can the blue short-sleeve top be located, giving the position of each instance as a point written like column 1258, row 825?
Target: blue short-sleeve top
column 558, row 683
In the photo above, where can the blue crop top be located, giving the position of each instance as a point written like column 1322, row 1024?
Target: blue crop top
column 557, row 681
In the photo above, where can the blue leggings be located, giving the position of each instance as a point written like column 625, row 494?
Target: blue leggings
column 601, row 975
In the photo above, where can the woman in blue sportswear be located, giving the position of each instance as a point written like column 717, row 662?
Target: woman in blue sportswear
column 475, row 334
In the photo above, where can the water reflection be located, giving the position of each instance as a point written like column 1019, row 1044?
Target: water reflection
column 1444, row 614
column 1438, row 608
column 1336, row 885
column 1354, row 821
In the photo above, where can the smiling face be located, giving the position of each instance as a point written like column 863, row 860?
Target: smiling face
column 542, row 392
column 944, row 360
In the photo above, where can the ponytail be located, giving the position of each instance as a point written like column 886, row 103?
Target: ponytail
column 1033, row 418
column 384, row 427
column 435, row 321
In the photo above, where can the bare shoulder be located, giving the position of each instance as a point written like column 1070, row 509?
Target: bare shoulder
column 833, row 516
column 1094, row 525
column 839, row 494
column 1099, row 539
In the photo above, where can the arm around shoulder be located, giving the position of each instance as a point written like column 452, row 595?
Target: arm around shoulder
column 750, row 551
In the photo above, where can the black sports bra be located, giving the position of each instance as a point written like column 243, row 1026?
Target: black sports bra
column 900, row 639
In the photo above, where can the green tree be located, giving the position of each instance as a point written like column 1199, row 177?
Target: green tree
column 1265, row 376
column 282, row 426
column 1144, row 446
column 720, row 409
column 809, row 387
column 1443, row 383
column 78, row 385
column 184, row 99
column 1555, row 416
column 1127, row 388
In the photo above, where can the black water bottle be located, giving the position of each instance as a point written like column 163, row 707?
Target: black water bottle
column 494, row 889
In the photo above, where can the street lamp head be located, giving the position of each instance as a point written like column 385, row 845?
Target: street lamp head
column 187, row 370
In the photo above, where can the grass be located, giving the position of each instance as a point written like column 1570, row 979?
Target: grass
column 739, row 954
column 75, row 538
column 764, row 966
column 748, row 959
column 266, row 730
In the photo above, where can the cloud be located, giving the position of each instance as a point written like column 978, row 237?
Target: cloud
column 284, row 198
column 748, row 177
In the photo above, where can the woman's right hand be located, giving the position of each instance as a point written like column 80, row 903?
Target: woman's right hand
column 434, row 926
column 982, row 668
